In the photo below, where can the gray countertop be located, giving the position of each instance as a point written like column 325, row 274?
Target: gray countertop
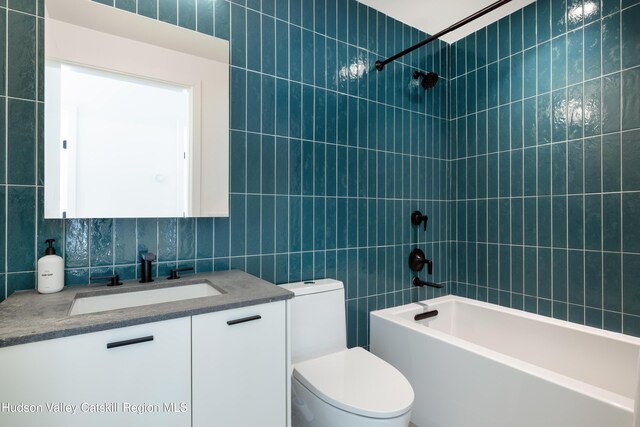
column 28, row 316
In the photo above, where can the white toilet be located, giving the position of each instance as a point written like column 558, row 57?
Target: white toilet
column 332, row 386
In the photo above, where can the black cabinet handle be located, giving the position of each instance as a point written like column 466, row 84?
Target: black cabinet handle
column 129, row 342
column 244, row 319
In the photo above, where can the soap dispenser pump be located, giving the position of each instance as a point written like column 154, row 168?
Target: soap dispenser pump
column 50, row 271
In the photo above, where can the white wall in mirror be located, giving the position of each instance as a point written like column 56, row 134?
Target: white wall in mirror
column 143, row 108
column 135, row 139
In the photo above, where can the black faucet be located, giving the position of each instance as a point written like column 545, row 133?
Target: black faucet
column 113, row 280
column 147, row 267
column 173, row 273
column 417, row 261
column 420, row 283
column 417, row 218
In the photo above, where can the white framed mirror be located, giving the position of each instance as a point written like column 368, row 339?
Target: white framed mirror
column 136, row 116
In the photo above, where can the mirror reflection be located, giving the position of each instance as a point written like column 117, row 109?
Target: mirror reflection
column 136, row 117
column 120, row 132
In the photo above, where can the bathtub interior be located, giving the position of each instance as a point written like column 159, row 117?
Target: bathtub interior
column 605, row 360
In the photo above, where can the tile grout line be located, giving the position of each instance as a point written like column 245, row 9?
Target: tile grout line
column 585, row 195
column 511, row 168
column 447, row 205
column 622, row 322
column 566, row 165
column 36, row 146
column 113, row 243
column 536, row 173
column 584, row 198
column 550, row 93
column 262, row 154
column 289, row 157
column 568, row 194
column 453, row 76
column 347, row 93
column 5, row 208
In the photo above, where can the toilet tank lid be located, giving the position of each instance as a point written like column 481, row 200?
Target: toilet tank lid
column 313, row 286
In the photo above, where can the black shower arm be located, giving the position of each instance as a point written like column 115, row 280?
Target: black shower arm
column 380, row 64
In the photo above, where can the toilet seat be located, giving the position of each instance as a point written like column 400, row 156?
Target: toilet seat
column 358, row 382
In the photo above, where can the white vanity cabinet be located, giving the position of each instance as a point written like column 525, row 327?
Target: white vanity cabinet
column 226, row 368
column 133, row 376
column 239, row 367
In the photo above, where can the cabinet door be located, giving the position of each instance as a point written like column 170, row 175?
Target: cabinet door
column 239, row 367
column 133, row 376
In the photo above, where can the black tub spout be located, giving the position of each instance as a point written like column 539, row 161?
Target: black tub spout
column 421, row 283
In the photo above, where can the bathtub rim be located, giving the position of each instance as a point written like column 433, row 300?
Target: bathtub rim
column 392, row 314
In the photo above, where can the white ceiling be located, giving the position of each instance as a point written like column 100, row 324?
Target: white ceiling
column 432, row 16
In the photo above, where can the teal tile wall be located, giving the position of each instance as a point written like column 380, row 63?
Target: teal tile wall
column 328, row 157
column 544, row 110
column 524, row 157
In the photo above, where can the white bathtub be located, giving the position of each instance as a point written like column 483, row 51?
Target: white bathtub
column 478, row 364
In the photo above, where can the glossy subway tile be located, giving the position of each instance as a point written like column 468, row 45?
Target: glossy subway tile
column 329, row 157
column 562, row 209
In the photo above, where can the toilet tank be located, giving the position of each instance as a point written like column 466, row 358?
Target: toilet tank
column 317, row 320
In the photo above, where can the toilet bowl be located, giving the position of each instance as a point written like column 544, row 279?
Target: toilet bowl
column 332, row 386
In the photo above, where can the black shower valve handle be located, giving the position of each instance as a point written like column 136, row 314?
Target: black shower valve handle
column 417, row 218
column 429, row 264
column 417, row 261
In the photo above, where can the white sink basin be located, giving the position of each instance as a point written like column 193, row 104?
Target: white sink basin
column 84, row 305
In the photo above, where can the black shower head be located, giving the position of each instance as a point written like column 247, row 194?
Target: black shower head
column 429, row 79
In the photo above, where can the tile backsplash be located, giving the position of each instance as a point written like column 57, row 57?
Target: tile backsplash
column 328, row 157
column 544, row 109
column 524, row 156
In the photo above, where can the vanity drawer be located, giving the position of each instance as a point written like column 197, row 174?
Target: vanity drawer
column 239, row 364
column 138, row 375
